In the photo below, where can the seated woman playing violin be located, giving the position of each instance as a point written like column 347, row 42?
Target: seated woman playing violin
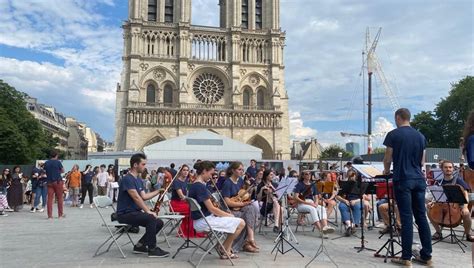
column 238, row 200
column 178, row 204
column 306, row 196
column 219, row 220
column 450, row 179
column 266, row 194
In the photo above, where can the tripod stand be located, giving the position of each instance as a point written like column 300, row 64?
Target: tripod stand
column 322, row 249
column 389, row 245
column 285, row 232
column 362, row 189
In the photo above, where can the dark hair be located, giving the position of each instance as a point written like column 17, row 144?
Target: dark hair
column 292, row 173
column 15, row 167
column 468, row 130
column 96, row 169
column 137, row 158
column 446, row 162
column 403, row 113
column 53, row 153
column 203, row 165
column 253, row 160
column 172, row 165
column 181, row 169
column 266, row 173
column 232, row 166
column 87, row 166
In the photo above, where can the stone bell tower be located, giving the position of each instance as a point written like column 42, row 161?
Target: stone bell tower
column 179, row 78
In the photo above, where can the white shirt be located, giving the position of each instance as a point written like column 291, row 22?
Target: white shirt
column 102, row 178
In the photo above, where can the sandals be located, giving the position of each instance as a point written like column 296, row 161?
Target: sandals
column 253, row 244
column 224, row 256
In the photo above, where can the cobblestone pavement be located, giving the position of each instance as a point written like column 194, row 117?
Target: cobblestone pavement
column 30, row 240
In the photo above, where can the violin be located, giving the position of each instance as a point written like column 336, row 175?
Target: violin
column 162, row 193
column 244, row 194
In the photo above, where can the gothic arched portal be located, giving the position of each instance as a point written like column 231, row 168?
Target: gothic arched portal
column 260, row 142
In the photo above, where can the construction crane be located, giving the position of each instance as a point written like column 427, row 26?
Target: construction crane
column 373, row 65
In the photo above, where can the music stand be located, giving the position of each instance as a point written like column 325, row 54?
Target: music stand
column 454, row 195
column 361, row 191
column 389, row 244
column 323, row 187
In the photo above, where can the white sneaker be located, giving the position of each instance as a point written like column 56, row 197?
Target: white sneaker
column 41, row 210
column 33, row 210
column 328, row 230
column 92, row 206
column 81, row 206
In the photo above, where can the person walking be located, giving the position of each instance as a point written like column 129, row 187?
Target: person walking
column 406, row 149
column 102, row 181
column 54, row 168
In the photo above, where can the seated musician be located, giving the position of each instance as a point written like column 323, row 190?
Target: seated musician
column 383, row 210
column 330, row 200
column 178, row 203
column 212, row 183
column 247, row 210
column 450, row 179
column 131, row 208
column 350, row 204
column 218, row 219
column 307, row 198
column 266, row 194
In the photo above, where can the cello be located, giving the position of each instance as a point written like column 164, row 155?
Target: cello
column 446, row 214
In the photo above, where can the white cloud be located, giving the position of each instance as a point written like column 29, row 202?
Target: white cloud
column 318, row 25
column 297, row 128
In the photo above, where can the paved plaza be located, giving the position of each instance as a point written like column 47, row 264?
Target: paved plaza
column 30, row 240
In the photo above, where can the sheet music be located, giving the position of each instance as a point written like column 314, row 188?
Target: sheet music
column 287, row 185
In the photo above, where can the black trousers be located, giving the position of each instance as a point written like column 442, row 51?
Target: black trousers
column 87, row 188
column 151, row 224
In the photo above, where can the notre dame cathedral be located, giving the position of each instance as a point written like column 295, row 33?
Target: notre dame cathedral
column 179, row 78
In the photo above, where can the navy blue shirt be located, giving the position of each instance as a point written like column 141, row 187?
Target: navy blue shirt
column 470, row 151
column 34, row 180
column 459, row 181
column 301, row 188
column 125, row 203
column 178, row 184
column 87, row 177
column 251, row 171
column 220, row 182
column 53, row 169
column 200, row 193
column 408, row 145
column 231, row 189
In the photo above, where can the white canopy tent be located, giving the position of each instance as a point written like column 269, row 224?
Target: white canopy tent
column 202, row 145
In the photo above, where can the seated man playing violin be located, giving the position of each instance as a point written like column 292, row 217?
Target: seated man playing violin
column 450, row 179
column 306, row 195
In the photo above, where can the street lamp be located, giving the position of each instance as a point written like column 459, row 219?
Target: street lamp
column 340, row 165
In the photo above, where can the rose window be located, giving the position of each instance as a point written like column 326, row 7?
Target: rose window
column 208, row 88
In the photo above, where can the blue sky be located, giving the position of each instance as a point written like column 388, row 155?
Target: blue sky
column 67, row 53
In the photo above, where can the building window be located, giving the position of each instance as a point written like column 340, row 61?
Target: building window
column 246, row 100
column 245, row 14
column 258, row 14
column 260, row 99
column 150, row 94
column 152, row 7
column 169, row 11
column 168, row 95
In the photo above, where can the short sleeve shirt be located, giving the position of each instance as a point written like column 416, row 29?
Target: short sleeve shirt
column 470, row 151
column 125, row 203
column 300, row 188
column 178, row 184
column 408, row 145
column 53, row 169
column 200, row 193
column 252, row 171
column 231, row 189
column 459, row 181
column 87, row 178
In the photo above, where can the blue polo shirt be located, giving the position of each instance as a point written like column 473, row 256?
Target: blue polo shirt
column 470, row 151
column 231, row 189
column 178, row 184
column 53, row 169
column 87, row 177
column 252, row 171
column 125, row 203
column 200, row 193
column 408, row 145
column 300, row 188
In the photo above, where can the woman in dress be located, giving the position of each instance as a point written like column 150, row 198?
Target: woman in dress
column 15, row 191
column 266, row 194
column 218, row 219
column 247, row 210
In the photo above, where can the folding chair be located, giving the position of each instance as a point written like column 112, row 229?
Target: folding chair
column 103, row 202
column 213, row 238
column 173, row 221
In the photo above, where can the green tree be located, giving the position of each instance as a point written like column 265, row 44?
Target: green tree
column 333, row 150
column 22, row 139
column 378, row 150
column 443, row 127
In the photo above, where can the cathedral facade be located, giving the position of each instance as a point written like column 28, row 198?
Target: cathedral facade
column 179, row 78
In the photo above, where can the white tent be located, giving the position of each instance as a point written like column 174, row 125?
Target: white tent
column 202, row 145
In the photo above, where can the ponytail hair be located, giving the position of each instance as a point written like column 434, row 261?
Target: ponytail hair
column 203, row 165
